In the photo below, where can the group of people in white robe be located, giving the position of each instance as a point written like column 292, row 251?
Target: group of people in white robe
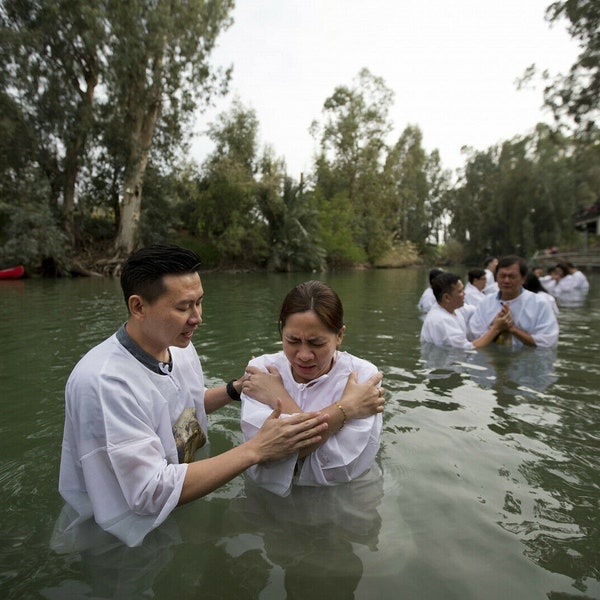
column 564, row 282
column 503, row 303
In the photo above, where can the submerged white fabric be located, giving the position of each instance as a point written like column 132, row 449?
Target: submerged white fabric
column 529, row 312
column 119, row 462
column 345, row 456
column 443, row 328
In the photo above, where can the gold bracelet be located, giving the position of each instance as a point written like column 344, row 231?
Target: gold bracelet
column 343, row 413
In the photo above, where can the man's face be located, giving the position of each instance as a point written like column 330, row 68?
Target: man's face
column 509, row 281
column 456, row 298
column 172, row 319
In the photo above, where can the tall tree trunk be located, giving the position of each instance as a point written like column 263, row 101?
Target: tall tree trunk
column 141, row 133
column 131, row 204
column 75, row 148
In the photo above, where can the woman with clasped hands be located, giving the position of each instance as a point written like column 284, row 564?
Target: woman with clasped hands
column 312, row 374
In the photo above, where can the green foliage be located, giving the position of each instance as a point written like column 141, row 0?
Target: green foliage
column 521, row 196
column 77, row 167
column 208, row 254
column 352, row 138
column 293, row 226
column 32, row 234
column 150, row 59
column 335, row 231
column 451, row 253
column 577, row 94
column 416, row 187
column 225, row 214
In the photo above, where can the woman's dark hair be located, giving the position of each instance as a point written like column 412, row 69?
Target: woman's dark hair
column 533, row 284
column 318, row 297
column 564, row 266
column 144, row 270
column 488, row 260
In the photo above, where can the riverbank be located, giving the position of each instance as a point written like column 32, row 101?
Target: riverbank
column 100, row 264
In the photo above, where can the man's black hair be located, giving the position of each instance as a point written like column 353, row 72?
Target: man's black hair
column 474, row 274
column 433, row 273
column 144, row 270
column 513, row 259
column 443, row 284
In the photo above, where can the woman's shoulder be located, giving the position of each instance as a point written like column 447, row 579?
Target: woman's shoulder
column 350, row 363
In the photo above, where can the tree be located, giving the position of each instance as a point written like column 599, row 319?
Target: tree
column 226, row 214
column 294, row 243
column 353, row 143
column 438, row 180
column 469, row 201
column 577, row 94
column 159, row 71
column 405, row 165
column 148, row 58
column 519, row 196
column 52, row 60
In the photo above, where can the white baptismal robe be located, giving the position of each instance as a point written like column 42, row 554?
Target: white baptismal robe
column 120, row 463
column 345, row 456
column 444, row 328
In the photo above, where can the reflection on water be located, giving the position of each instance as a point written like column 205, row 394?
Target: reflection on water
column 525, row 370
column 571, row 298
column 489, row 459
column 333, row 530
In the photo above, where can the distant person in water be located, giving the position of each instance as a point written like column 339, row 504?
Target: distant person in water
column 427, row 299
column 533, row 322
column 311, row 373
column 490, row 264
column 569, row 285
column 476, row 284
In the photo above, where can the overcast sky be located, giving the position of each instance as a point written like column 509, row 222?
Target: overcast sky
column 452, row 65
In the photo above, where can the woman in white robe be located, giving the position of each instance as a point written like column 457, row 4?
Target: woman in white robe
column 310, row 374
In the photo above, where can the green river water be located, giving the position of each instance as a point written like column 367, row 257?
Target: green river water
column 490, row 460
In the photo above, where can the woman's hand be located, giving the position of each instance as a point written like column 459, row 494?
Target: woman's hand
column 362, row 400
column 266, row 387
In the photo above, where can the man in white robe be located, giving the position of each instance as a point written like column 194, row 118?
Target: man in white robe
column 533, row 322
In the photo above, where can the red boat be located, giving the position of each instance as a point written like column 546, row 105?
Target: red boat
column 12, row 273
